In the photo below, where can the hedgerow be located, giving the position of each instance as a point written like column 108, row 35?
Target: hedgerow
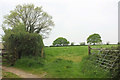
column 18, row 43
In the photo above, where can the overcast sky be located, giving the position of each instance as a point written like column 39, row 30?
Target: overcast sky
column 75, row 19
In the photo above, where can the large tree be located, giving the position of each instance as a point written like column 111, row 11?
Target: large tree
column 60, row 42
column 34, row 19
column 94, row 38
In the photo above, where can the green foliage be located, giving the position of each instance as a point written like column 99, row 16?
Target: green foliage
column 66, row 62
column 118, row 43
column 82, row 43
column 90, row 69
column 94, row 38
column 9, row 75
column 30, row 62
column 34, row 19
column 19, row 43
column 107, row 43
column 72, row 43
column 60, row 42
column 60, row 62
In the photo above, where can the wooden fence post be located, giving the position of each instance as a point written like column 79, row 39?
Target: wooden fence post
column 42, row 52
column 89, row 50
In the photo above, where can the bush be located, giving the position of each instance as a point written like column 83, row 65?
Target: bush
column 72, row 43
column 82, row 43
column 107, row 43
column 118, row 43
column 19, row 43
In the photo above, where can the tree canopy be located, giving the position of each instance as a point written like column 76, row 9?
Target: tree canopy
column 94, row 38
column 34, row 19
column 60, row 42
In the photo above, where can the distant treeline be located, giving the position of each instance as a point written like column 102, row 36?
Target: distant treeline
column 79, row 45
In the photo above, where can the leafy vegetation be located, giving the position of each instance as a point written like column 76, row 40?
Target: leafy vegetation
column 24, row 44
column 94, row 38
column 20, row 43
column 91, row 70
column 60, row 42
column 82, row 43
column 64, row 62
column 72, row 43
column 107, row 43
column 8, row 75
column 34, row 18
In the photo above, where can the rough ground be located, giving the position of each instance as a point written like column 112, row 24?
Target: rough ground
column 21, row 73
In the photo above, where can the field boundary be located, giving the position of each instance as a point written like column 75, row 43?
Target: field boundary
column 109, row 59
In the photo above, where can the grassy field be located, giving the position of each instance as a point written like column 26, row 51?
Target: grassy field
column 64, row 62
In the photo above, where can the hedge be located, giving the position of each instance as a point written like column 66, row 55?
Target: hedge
column 18, row 43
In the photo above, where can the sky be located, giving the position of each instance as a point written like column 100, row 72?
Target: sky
column 74, row 20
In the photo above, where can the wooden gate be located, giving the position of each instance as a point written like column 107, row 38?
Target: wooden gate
column 109, row 59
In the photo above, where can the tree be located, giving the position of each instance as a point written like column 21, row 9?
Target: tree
column 60, row 42
column 34, row 19
column 82, row 43
column 94, row 38
column 118, row 43
column 107, row 43
column 72, row 43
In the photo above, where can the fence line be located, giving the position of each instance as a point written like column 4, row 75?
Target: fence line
column 106, row 58
column 3, row 54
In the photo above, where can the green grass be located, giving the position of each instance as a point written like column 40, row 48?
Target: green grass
column 64, row 62
column 104, row 46
column 8, row 75
column 90, row 69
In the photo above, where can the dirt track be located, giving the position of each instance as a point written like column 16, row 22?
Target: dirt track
column 22, row 73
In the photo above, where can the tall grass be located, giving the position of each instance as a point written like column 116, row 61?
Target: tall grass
column 27, row 63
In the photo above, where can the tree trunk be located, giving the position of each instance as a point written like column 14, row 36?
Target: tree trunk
column 19, row 55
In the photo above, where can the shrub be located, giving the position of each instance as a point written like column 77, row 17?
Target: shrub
column 118, row 43
column 107, row 43
column 72, row 43
column 82, row 43
column 19, row 43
